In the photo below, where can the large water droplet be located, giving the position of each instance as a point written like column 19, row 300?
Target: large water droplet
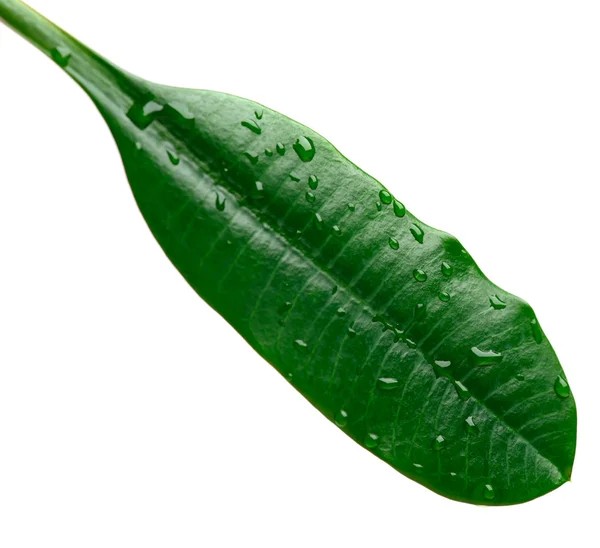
column 318, row 221
column 438, row 442
column 387, row 383
column 419, row 275
column 417, row 233
column 143, row 114
column 220, row 202
column 394, row 244
column 462, row 390
column 305, row 149
column 280, row 148
column 441, row 368
column 447, row 269
column 313, row 182
column 173, row 157
column 268, row 152
column 252, row 157
column 310, row 197
column 399, row 209
column 536, row 331
column 488, row 492
column 385, row 197
column 253, row 126
column 180, row 114
column 371, row 440
column 485, row 357
column 61, row 56
column 341, row 418
column 300, row 345
column 561, row 387
column 496, row 302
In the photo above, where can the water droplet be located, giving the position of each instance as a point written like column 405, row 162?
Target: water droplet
column 173, row 157
column 520, row 377
column 418, row 466
column 488, row 492
column 385, row 197
column 378, row 206
column 294, row 176
column 313, row 182
column 143, row 114
column 453, row 474
column 318, row 221
column 336, row 230
column 252, row 158
column 447, row 269
column 419, row 275
column 285, row 307
column 420, row 311
column 220, row 202
column 399, row 209
column 305, row 149
column 470, row 424
column 259, row 114
column 438, row 442
column 371, row 440
column 410, row 343
column 417, row 232
column 444, row 296
column 138, row 145
column 351, row 207
column 442, row 368
column 485, row 357
column 561, row 387
column 536, row 330
column 300, row 345
column 394, row 244
column 341, row 418
column 310, row 197
column 252, row 126
column 61, row 56
column 180, row 114
column 351, row 332
column 258, row 192
column 387, row 383
column 496, row 302
column 280, row 148
column 334, row 289
column 462, row 390
column 341, row 312
column 268, row 152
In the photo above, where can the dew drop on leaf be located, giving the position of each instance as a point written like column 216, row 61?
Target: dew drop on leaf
column 258, row 114
column 488, row 492
column 496, row 302
column 252, row 158
column 313, row 182
column 351, row 207
column 310, row 197
column 438, row 442
column 447, row 269
column 387, row 383
column 485, row 357
column 417, row 232
column 394, row 244
column 220, row 202
column 385, row 197
column 258, row 192
column 318, row 221
column 252, row 126
column 419, row 275
column 371, row 440
column 280, row 148
column 61, row 55
column 444, row 296
column 336, row 230
column 536, row 331
column 470, row 424
column 399, row 209
column 341, row 418
column 300, row 345
column 378, row 206
column 561, row 387
column 268, row 152
column 462, row 390
column 305, row 149
column 173, row 157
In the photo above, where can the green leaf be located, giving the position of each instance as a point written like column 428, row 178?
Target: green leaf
column 383, row 323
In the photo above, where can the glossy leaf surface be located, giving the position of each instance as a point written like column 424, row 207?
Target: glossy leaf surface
column 383, row 323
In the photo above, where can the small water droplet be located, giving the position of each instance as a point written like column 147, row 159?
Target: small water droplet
column 394, row 244
column 253, row 126
column 453, row 474
column 305, row 149
column 294, row 176
column 462, row 390
column 318, row 221
column 310, row 197
column 351, row 332
column 138, row 145
column 378, row 206
column 419, row 275
column 399, row 209
column 470, row 424
column 259, row 114
column 173, row 157
column 561, row 387
column 387, row 383
column 520, row 377
column 351, row 207
column 300, row 345
column 442, row 368
column 313, row 182
column 485, row 357
column 496, row 302
column 143, row 114
column 420, row 311
column 371, row 440
column 220, row 202
column 488, row 492
column 447, row 269
column 336, row 230
column 258, row 192
column 285, row 307
column 418, row 466
column 417, row 233
column 252, row 158
column 268, row 152
column 438, row 442
column 410, row 343
column 280, row 148
column 334, row 289
column 444, row 296
column 341, row 418
column 341, row 312
column 61, row 56
column 290, row 375
column 385, row 197
column 536, row 330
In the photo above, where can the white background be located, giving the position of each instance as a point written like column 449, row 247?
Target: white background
column 132, row 415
